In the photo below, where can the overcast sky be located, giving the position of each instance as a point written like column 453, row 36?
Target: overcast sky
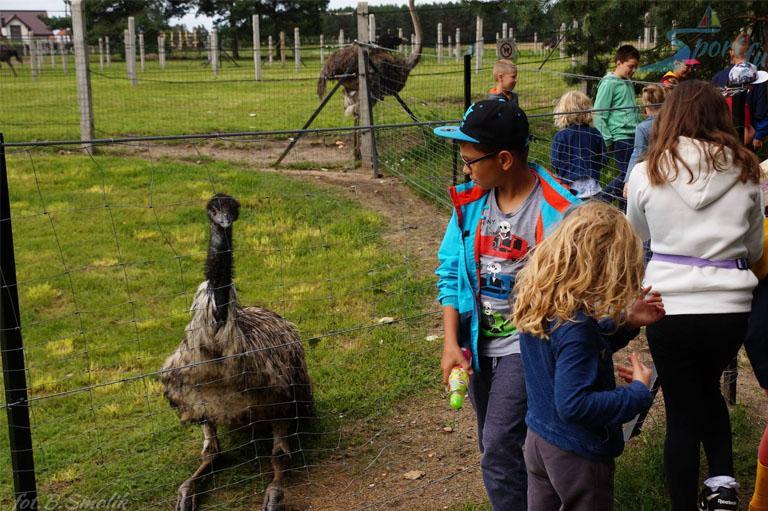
column 56, row 8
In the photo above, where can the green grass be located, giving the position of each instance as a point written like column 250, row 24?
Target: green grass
column 186, row 97
column 108, row 254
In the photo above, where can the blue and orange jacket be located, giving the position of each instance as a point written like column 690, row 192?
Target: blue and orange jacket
column 458, row 271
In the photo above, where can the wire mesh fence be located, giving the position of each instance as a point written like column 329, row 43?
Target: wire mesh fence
column 112, row 245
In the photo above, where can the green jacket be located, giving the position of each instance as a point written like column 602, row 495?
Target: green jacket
column 614, row 92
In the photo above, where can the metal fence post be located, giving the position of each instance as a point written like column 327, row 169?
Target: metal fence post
column 82, row 71
column 14, row 371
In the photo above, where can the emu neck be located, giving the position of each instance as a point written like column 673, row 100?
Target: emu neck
column 219, row 267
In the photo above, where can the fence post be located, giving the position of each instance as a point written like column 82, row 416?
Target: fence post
column 400, row 36
column 108, row 51
column 282, row 48
column 478, row 44
column 439, row 43
column 535, row 42
column 63, row 57
column 647, row 31
column 32, row 57
column 82, row 72
column 372, row 28
column 161, row 50
column 496, row 46
column 214, row 52
column 14, row 370
column 322, row 49
column 363, row 98
column 561, row 38
column 341, row 37
column 256, row 47
column 458, row 43
column 655, row 35
column 101, row 53
column 52, row 51
column 141, row 50
column 40, row 56
column 130, row 49
column 269, row 49
column 297, row 48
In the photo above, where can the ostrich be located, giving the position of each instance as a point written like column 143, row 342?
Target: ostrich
column 6, row 53
column 236, row 365
column 388, row 73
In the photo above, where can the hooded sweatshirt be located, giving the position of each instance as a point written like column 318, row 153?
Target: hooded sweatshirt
column 615, row 92
column 715, row 217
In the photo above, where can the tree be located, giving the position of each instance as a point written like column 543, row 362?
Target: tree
column 110, row 17
column 233, row 18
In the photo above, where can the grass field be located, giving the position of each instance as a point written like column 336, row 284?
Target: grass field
column 185, row 97
column 108, row 253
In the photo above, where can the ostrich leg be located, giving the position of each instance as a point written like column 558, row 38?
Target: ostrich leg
column 274, row 499
column 187, row 495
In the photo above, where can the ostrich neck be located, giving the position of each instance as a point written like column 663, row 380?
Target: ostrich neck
column 218, row 268
column 415, row 55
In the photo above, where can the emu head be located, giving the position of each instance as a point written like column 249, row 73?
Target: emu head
column 223, row 210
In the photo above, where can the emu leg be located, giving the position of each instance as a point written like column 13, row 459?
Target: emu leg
column 274, row 499
column 12, row 69
column 187, row 495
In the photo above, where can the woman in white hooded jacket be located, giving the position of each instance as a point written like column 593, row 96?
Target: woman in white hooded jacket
column 696, row 197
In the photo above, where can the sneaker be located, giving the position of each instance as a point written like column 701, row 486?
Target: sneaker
column 721, row 499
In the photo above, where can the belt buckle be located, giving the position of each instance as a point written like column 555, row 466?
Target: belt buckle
column 742, row 263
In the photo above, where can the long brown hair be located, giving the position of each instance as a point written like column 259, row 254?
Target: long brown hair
column 697, row 110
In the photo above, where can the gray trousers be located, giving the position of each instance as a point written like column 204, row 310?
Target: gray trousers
column 561, row 481
column 498, row 395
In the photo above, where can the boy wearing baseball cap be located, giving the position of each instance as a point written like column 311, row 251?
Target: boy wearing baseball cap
column 508, row 207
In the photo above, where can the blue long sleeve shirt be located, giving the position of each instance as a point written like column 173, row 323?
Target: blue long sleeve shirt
column 573, row 401
column 578, row 151
column 642, row 136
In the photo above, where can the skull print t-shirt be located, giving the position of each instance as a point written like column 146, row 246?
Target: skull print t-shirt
column 505, row 239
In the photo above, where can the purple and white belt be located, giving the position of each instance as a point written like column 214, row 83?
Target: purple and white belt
column 733, row 264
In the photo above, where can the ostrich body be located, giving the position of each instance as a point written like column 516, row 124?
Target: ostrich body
column 6, row 54
column 387, row 75
column 236, row 365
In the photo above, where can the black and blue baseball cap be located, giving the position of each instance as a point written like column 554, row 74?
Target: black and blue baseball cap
column 492, row 122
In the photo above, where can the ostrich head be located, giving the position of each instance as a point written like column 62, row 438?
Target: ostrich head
column 223, row 210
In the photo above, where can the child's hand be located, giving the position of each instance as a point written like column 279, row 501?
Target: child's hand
column 646, row 310
column 453, row 357
column 638, row 371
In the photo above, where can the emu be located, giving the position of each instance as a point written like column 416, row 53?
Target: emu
column 6, row 54
column 387, row 75
column 236, row 366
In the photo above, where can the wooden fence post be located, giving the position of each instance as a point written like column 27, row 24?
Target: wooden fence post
column 322, row 49
column 282, row 48
column 63, row 54
column 363, row 105
column 296, row 49
column 256, row 47
column 101, row 53
column 130, row 49
column 161, row 50
column 84, row 97
column 269, row 49
column 439, row 43
column 108, row 51
column 478, row 44
column 341, row 37
column 141, row 51
column 214, row 52
column 458, row 44
column 400, row 36
column 372, row 28
column 32, row 56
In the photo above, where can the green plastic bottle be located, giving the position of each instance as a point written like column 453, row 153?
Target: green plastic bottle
column 458, row 383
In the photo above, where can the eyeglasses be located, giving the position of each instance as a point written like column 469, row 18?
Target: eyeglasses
column 469, row 163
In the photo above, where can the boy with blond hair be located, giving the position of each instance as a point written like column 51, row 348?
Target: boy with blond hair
column 505, row 77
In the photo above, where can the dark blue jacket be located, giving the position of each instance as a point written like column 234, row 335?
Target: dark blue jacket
column 578, row 151
column 573, row 402
column 757, row 99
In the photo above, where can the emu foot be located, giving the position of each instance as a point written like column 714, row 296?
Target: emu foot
column 187, row 497
column 274, row 498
